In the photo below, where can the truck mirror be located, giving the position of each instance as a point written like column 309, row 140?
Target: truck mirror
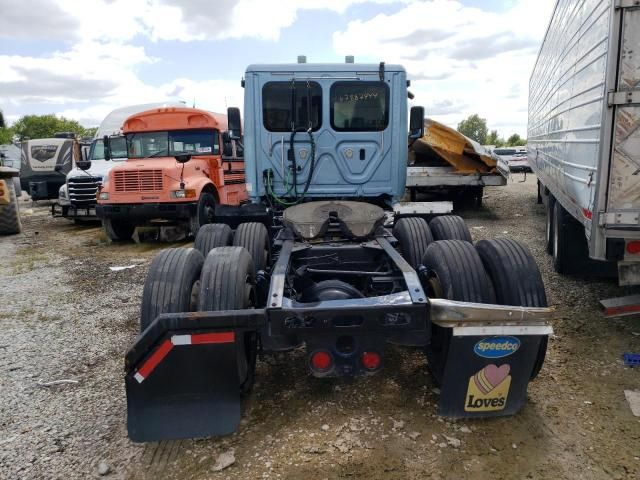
column 234, row 122
column 84, row 164
column 183, row 158
column 107, row 147
column 416, row 122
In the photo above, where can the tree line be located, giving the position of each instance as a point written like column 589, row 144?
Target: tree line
column 40, row 126
column 475, row 128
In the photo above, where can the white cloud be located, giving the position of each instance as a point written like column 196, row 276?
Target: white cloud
column 462, row 60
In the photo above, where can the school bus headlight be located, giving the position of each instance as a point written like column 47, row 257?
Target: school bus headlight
column 188, row 193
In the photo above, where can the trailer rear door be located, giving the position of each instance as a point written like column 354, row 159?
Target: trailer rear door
column 623, row 200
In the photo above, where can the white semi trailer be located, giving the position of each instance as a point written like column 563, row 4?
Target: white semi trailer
column 584, row 136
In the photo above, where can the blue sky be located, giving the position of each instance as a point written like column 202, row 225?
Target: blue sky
column 81, row 59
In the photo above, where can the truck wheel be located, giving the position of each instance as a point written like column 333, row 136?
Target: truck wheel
column 549, row 226
column 227, row 283
column 455, row 273
column 118, row 230
column 172, row 284
column 254, row 237
column 211, row 236
column 516, row 280
column 10, row 213
column 450, row 227
column 414, row 236
column 205, row 212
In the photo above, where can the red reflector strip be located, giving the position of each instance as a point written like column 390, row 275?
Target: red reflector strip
column 625, row 309
column 152, row 362
column 165, row 347
column 221, row 337
column 587, row 213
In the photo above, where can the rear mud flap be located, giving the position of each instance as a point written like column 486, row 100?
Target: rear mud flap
column 187, row 387
column 487, row 370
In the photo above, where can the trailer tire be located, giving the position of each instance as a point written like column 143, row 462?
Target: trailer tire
column 414, row 236
column 450, row 227
column 118, row 230
column 455, row 272
column 172, row 284
column 254, row 237
column 228, row 283
column 516, row 280
column 10, row 223
column 205, row 212
column 563, row 240
column 549, row 226
column 211, row 236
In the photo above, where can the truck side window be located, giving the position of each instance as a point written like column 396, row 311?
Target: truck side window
column 278, row 100
column 359, row 106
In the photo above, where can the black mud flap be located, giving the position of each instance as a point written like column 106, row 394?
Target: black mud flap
column 184, row 391
column 487, row 370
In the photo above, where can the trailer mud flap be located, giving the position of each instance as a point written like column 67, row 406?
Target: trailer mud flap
column 488, row 368
column 186, row 388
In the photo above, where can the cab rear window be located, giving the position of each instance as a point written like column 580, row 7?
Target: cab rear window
column 289, row 105
column 359, row 106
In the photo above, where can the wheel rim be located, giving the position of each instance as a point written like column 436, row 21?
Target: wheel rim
column 209, row 211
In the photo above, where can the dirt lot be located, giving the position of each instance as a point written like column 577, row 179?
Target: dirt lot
column 66, row 316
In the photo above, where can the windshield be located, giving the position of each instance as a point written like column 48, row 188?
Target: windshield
column 171, row 143
column 118, row 148
column 504, row 152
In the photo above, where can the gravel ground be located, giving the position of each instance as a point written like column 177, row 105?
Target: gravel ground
column 67, row 320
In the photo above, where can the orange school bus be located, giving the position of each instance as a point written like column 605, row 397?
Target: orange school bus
column 181, row 163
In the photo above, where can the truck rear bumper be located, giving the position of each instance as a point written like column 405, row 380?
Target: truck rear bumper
column 164, row 402
column 147, row 211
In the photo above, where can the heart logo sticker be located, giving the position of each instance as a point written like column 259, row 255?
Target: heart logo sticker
column 488, row 389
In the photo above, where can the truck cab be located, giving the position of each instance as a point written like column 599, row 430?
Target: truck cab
column 180, row 165
column 322, row 131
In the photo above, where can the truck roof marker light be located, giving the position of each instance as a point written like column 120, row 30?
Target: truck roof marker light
column 371, row 360
column 633, row 247
column 321, row 360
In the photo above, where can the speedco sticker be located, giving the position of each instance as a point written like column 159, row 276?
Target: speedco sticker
column 496, row 347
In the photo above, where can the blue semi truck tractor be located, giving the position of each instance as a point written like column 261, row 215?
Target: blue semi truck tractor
column 325, row 256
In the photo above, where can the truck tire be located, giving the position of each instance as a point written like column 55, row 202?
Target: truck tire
column 10, row 223
column 211, row 236
column 172, row 284
column 118, row 230
column 205, row 212
column 414, row 236
column 456, row 272
column 255, row 238
column 516, row 280
column 450, row 227
column 227, row 283
column 549, row 226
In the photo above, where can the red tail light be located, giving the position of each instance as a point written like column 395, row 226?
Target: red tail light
column 321, row 360
column 371, row 360
column 633, row 247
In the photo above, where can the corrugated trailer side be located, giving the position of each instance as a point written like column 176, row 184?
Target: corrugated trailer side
column 584, row 137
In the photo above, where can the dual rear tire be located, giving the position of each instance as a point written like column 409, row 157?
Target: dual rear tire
column 500, row 271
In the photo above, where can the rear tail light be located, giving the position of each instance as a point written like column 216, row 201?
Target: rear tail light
column 633, row 247
column 371, row 360
column 321, row 360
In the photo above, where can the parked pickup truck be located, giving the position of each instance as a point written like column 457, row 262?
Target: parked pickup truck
column 584, row 137
column 181, row 164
